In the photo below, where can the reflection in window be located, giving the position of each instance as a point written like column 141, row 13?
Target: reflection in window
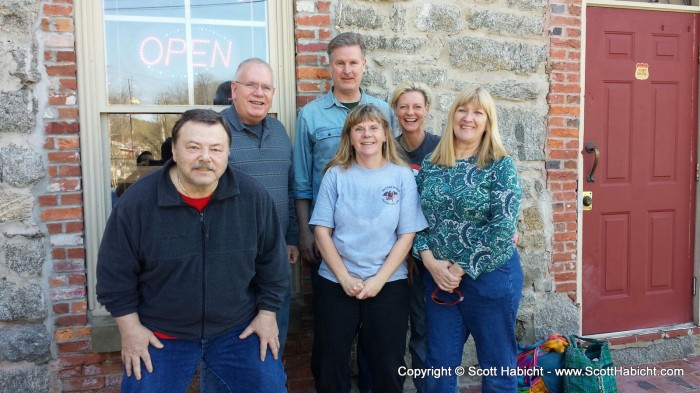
column 130, row 135
column 178, row 52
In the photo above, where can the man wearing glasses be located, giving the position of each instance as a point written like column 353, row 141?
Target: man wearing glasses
column 260, row 147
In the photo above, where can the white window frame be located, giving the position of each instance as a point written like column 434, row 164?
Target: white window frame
column 94, row 110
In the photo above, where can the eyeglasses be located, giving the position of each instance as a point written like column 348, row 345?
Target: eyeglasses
column 453, row 298
column 252, row 86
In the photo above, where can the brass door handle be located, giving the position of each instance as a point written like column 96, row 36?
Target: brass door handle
column 590, row 148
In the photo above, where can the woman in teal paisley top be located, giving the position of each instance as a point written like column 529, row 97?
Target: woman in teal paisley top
column 470, row 195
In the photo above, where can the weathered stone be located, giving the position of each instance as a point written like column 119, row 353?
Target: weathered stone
column 531, row 220
column 18, row 15
column 25, row 343
column 445, row 101
column 398, row 19
column 481, row 54
column 25, row 379
column 439, row 17
column 534, row 265
column 21, row 165
column 25, row 257
column 8, row 81
column 392, row 62
column 432, row 77
column 374, row 78
column 66, row 240
column 18, row 113
column 15, row 206
column 554, row 313
column 360, row 17
column 528, row 5
column 24, row 302
column 515, row 90
column 305, row 6
column 657, row 351
column 393, row 43
column 26, row 61
column 507, row 23
column 522, row 131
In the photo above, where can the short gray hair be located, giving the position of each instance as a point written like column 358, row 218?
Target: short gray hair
column 345, row 39
column 253, row 60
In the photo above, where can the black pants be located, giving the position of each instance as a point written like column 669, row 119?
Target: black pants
column 382, row 322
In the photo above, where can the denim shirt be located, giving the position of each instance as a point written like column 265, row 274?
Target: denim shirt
column 318, row 130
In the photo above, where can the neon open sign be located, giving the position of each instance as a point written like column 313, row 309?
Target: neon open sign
column 206, row 53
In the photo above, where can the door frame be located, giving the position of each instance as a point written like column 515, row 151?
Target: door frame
column 695, row 9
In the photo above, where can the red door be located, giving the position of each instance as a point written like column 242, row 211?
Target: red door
column 641, row 116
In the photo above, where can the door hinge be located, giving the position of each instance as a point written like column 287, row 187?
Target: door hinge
column 695, row 285
column 697, row 172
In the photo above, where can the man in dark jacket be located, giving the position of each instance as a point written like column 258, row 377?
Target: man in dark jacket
column 193, row 266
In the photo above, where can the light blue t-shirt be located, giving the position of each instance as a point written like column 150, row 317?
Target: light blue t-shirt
column 317, row 136
column 368, row 209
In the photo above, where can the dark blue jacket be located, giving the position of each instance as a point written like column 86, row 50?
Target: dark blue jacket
column 189, row 274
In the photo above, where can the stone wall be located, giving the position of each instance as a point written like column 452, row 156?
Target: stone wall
column 24, row 318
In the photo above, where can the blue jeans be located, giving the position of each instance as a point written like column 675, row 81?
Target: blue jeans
column 488, row 314
column 210, row 383
column 234, row 362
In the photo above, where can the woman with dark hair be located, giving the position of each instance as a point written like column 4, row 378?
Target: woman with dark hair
column 366, row 216
column 470, row 194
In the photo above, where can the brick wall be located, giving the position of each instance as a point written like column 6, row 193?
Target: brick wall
column 562, row 149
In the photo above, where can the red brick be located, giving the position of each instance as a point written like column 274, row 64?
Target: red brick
column 313, row 73
column 557, row 53
column 565, row 88
column 76, row 253
column 324, row 34
column 58, row 253
column 566, row 236
column 71, row 320
column 562, row 175
column 571, row 164
column 562, row 217
column 303, row 100
column 573, row 100
column 61, row 128
column 622, row 340
column 69, row 266
column 649, row 337
column 555, row 143
column 68, row 143
column 77, row 346
column 313, row 60
column 48, row 200
column 555, row 99
column 63, row 25
column 70, row 372
column 313, row 20
column 65, row 184
column 80, row 384
column 58, row 281
column 565, row 21
column 69, row 83
column 309, row 86
column 61, row 308
column 563, row 277
column 61, row 70
column 57, row 10
column 68, row 113
column 101, row 369
column 49, row 144
column 304, row 34
column 323, row 6
column 64, row 55
column 64, row 157
column 70, row 170
column 71, row 199
column 76, row 279
column 565, row 286
column 564, row 132
column 312, row 47
column 559, row 267
column 81, row 307
column 82, row 359
column 575, row 9
column 61, row 213
column 53, row 171
column 563, row 154
column 55, row 228
column 45, row 24
column 75, row 226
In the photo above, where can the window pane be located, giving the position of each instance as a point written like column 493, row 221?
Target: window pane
column 159, row 60
column 174, row 8
column 130, row 136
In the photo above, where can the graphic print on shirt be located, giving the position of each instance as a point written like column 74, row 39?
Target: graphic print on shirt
column 390, row 195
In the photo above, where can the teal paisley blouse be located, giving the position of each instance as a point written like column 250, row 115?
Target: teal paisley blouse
column 472, row 213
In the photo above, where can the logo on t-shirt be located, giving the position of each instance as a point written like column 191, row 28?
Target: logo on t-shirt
column 415, row 168
column 390, row 195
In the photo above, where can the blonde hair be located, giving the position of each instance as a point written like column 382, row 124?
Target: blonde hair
column 346, row 153
column 490, row 148
column 409, row 87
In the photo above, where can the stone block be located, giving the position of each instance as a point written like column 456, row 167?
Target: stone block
column 522, row 131
column 445, row 101
column 528, row 5
column 21, row 302
column 439, row 18
column 374, row 78
column 398, row 19
column 28, row 343
column 25, row 379
column 483, row 55
column 554, row 313
column 18, row 16
column 21, row 165
column 26, row 257
column 531, row 220
column 19, row 112
column 409, row 45
column 654, row 351
column 361, row 17
column 534, row 264
column 507, row 23
column 15, row 206
column 508, row 89
column 432, row 77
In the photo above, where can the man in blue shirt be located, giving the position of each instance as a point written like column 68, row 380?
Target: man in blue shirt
column 317, row 135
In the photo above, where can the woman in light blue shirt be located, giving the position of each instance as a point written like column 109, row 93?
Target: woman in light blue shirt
column 366, row 216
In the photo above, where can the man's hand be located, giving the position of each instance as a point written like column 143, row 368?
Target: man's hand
column 265, row 326
column 135, row 340
column 292, row 254
column 307, row 247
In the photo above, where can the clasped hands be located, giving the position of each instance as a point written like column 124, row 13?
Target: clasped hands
column 357, row 288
